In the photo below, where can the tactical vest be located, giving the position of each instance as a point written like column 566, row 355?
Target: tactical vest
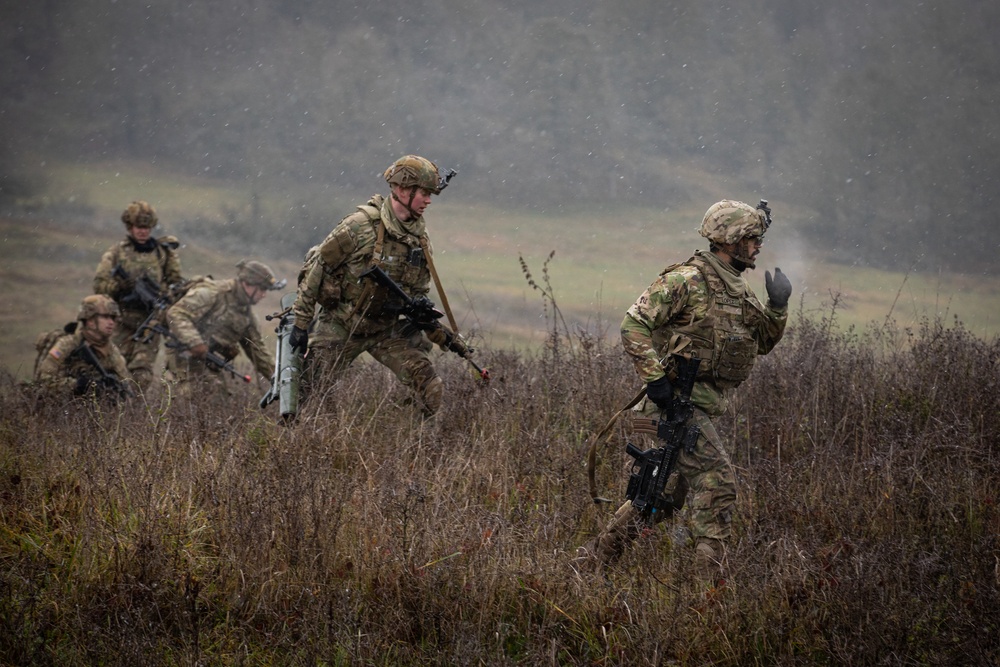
column 723, row 339
column 137, row 264
column 375, row 308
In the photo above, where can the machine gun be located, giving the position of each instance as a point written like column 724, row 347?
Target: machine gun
column 651, row 468
column 421, row 313
column 106, row 381
column 287, row 364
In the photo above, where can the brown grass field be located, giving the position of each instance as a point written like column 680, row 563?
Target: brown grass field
column 175, row 533
column 167, row 532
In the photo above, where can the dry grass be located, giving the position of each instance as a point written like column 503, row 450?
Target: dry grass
column 168, row 533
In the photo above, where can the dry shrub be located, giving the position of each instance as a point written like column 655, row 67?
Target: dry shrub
column 166, row 532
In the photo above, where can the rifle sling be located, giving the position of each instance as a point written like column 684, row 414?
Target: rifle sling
column 437, row 284
column 592, row 450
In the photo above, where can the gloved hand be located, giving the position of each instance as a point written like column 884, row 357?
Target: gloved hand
column 82, row 385
column 660, row 392
column 778, row 289
column 439, row 337
column 299, row 340
column 198, row 351
column 459, row 346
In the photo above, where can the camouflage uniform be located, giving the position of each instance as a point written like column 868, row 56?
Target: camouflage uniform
column 348, row 317
column 705, row 309
column 61, row 369
column 217, row 313
column 155, row 259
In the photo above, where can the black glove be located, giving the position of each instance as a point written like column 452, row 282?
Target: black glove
column 660, row 392
column 82, row 385
column 778, row 289
column 299, row 340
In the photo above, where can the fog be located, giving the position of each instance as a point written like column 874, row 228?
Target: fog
column 877, row 125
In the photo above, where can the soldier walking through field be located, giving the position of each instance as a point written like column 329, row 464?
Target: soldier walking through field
column 700, row 309
column 352, row 315
column 140, row 258
column 211, row 323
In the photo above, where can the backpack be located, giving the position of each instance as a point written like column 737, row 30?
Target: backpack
column 47, row 339
column 178, row 290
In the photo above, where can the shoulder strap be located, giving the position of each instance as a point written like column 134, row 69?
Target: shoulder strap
column 425, row 244
column 379, row 242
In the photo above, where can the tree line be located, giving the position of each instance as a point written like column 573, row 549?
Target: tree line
column 878, row 120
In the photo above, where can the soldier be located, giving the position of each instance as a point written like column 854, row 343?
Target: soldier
column 359, row 316
column 216, row 317
column 84, row 359
column 140, row 257
column 704, row 309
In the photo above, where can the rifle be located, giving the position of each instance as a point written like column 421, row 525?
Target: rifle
column 211, row 358
column 287, row 364
column 107, row 380
column 147, row 294
column 422, row 314
column 651, row 468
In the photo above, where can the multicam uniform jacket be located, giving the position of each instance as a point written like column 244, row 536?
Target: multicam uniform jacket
column 219, row 314
column 702, row 308
column 159, row 262
column 332, row 281
column 63, row 364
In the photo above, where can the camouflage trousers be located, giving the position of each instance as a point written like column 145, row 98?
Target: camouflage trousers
column 139, row 356
column 705, row 477
column 402, row 348
column 195, row 380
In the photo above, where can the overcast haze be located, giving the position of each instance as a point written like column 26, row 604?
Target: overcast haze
column 880, row 119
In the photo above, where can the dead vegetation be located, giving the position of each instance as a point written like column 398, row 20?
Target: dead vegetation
column 167, row 533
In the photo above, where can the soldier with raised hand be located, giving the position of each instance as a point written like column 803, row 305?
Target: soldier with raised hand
column 215, row 319
column 354, row 315
column 140, row 257
column 702, row 309
column 85, row 361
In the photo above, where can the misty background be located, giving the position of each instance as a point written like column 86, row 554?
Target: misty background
column 878, row 120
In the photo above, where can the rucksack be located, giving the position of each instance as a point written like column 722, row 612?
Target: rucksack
column 178, row 290
column 47, row 339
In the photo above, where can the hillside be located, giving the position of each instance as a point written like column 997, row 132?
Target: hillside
column 602, row 260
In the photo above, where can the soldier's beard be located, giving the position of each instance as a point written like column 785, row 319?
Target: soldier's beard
column 744, row 258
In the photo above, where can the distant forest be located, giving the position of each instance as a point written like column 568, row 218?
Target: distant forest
column 880, row 119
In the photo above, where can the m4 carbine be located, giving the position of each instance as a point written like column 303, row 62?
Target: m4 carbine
column 421, row 313
column 107, row 381
column 652, row 468
column 146, row 294
column 211, row 358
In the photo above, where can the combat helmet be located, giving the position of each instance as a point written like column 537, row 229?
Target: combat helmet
column 413, row 170
column 139, row 214
column 97, row 304
column 258, row 274
column 728, row 221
